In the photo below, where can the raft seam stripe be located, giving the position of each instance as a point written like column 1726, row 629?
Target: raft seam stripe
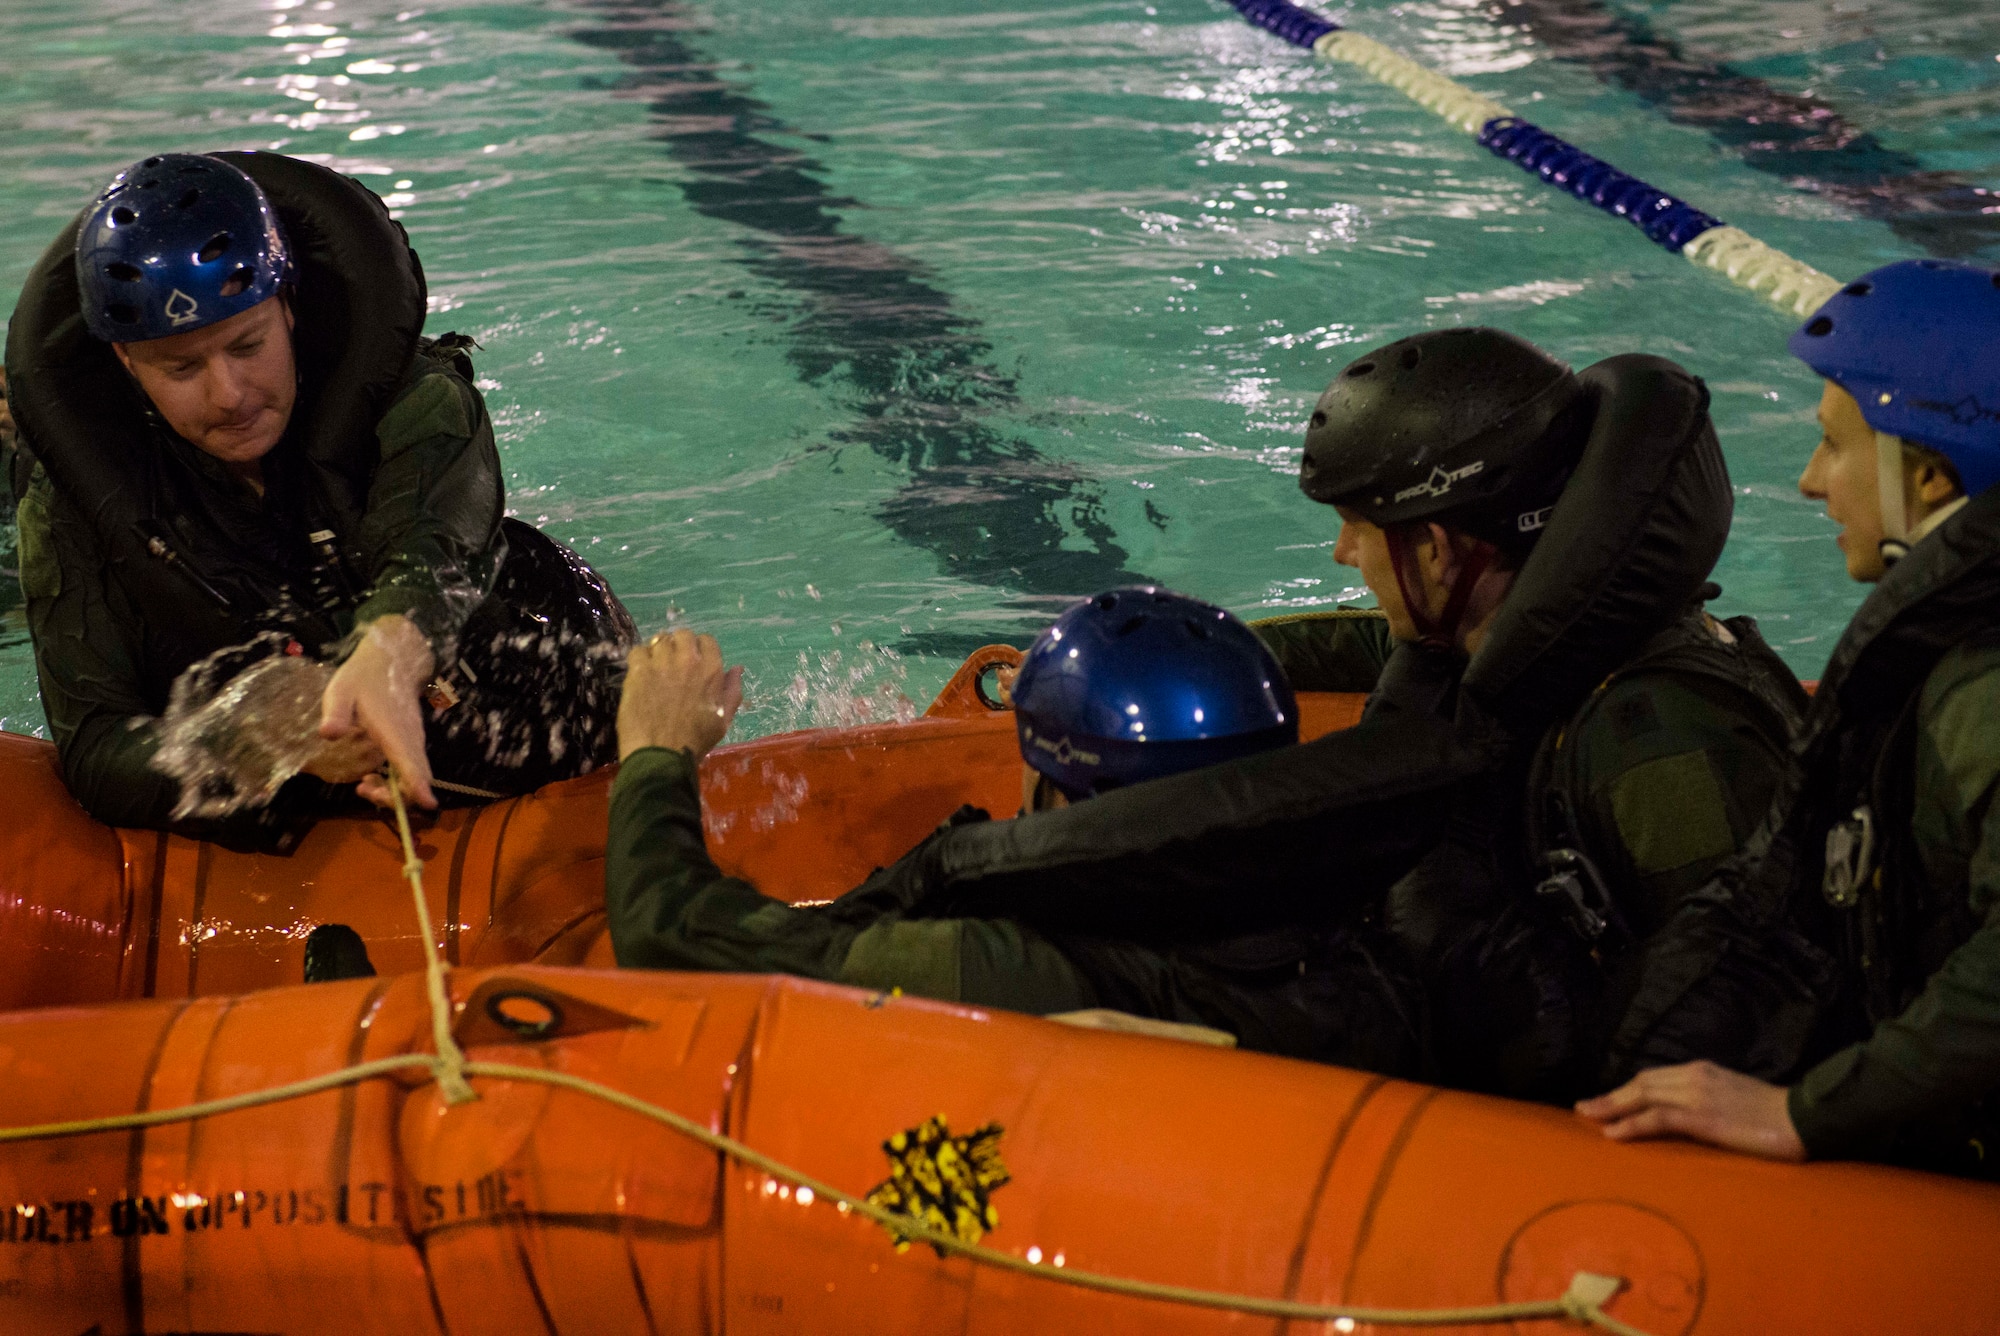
column 499, row 847
column 534, row 1290
column 132, row 1277
column 1397, row 1144
column 204, row 861
column 158, row 896
column 343, row 1124
column 201, row 1081
column 455, row 886
column 1296, row 1267
column 638, row 1278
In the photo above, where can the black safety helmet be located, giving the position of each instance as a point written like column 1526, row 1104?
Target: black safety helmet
column 1473, row 428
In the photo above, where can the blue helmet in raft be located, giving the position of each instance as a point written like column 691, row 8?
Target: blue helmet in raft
column 1137, row 684
column 176, row 243
column 1917, row 343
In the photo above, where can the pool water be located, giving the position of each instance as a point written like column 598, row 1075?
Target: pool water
column 860, row 334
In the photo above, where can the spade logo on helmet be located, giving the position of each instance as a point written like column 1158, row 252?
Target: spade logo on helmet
column 181, row 308
column 1966, row 412
column 1441, row 480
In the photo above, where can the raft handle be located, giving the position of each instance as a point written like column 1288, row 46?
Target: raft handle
column 527, row 1026
column 967, row 695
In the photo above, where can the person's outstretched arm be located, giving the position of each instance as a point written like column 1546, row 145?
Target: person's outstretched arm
column 431, row 539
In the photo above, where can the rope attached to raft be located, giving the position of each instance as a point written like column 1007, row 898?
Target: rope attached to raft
column 1792, row 286
column 1583, row 1302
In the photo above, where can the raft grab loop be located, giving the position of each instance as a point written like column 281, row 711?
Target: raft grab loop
column 973, row 690
column 1582, row 1302
column 1792, row 286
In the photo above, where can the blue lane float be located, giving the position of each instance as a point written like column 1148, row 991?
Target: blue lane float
column 1668, row 221
column 1665, row 220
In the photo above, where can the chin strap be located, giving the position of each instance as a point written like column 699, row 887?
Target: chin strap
column 1895, row 506
column 1440, row 632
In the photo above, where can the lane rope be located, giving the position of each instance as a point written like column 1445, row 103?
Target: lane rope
column 1582, row 1303
column 1791, row 285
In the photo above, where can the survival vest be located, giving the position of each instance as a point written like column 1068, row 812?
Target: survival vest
column 359, row 296
column 1315, row 832
column 1825, row 923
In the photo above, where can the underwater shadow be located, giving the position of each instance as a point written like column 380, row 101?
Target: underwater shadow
column 871, row 327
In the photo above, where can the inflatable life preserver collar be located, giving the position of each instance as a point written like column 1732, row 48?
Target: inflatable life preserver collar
column 359, row 297
column 1629, row 545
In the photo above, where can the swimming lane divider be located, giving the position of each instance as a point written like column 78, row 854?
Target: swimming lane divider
column 1791, row 285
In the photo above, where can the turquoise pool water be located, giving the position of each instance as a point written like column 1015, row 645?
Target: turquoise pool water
column 860, row 334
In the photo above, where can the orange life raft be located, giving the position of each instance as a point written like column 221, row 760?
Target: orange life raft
column 91, row 914
column 381, row 1208
column 378, row 1207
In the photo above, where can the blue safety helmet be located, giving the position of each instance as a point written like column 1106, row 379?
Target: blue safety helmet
column 1137, row 684
column 174, row 244
column 1917, row 343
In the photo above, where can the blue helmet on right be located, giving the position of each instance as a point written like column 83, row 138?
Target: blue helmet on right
column 1917, row 343
column 176, row 243
column 1141, row 683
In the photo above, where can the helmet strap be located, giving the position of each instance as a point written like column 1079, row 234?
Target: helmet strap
column 1441, row 631
column 1894, row 505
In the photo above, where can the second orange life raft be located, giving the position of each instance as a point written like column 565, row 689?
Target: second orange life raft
column 379, row 1207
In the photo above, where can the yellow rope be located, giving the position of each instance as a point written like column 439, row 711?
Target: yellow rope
column 1583, row 1302
column 450, row 1069
column 1793, row 286
column 313, row 1085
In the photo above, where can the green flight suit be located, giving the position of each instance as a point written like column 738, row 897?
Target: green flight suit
column 434, row 505
column 1921, row 1086
column 1665, row 825
column 671, row 908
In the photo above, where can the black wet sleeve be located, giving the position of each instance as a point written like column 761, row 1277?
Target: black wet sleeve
column 1341, row 650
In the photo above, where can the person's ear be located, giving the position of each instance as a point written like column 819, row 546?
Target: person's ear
column 1437, row 554
column 1930, row 485
column 124, row 358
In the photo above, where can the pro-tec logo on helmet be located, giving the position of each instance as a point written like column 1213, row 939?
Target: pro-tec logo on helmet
column 1065, row 754
column 181, row 308
column 1441, row 480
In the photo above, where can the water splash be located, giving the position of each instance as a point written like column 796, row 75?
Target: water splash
column 232, row 735
column 845, row 689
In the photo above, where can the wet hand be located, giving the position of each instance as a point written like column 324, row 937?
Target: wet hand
column 345, row 760
column 376, row 693
column 677, row 695
column 1702, row 1102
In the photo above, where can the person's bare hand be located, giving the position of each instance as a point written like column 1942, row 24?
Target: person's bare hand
column 1003, row 682
column 677, row 695
column 376, row 693
column 1702, row 1102
column 345, row 760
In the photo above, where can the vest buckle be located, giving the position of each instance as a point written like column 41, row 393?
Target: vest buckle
column 1572, row 884
column 1850, row 858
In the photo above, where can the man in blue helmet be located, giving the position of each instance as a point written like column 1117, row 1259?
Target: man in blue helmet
column 236, row 444
column 1883, row 845
column 1123, row 690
